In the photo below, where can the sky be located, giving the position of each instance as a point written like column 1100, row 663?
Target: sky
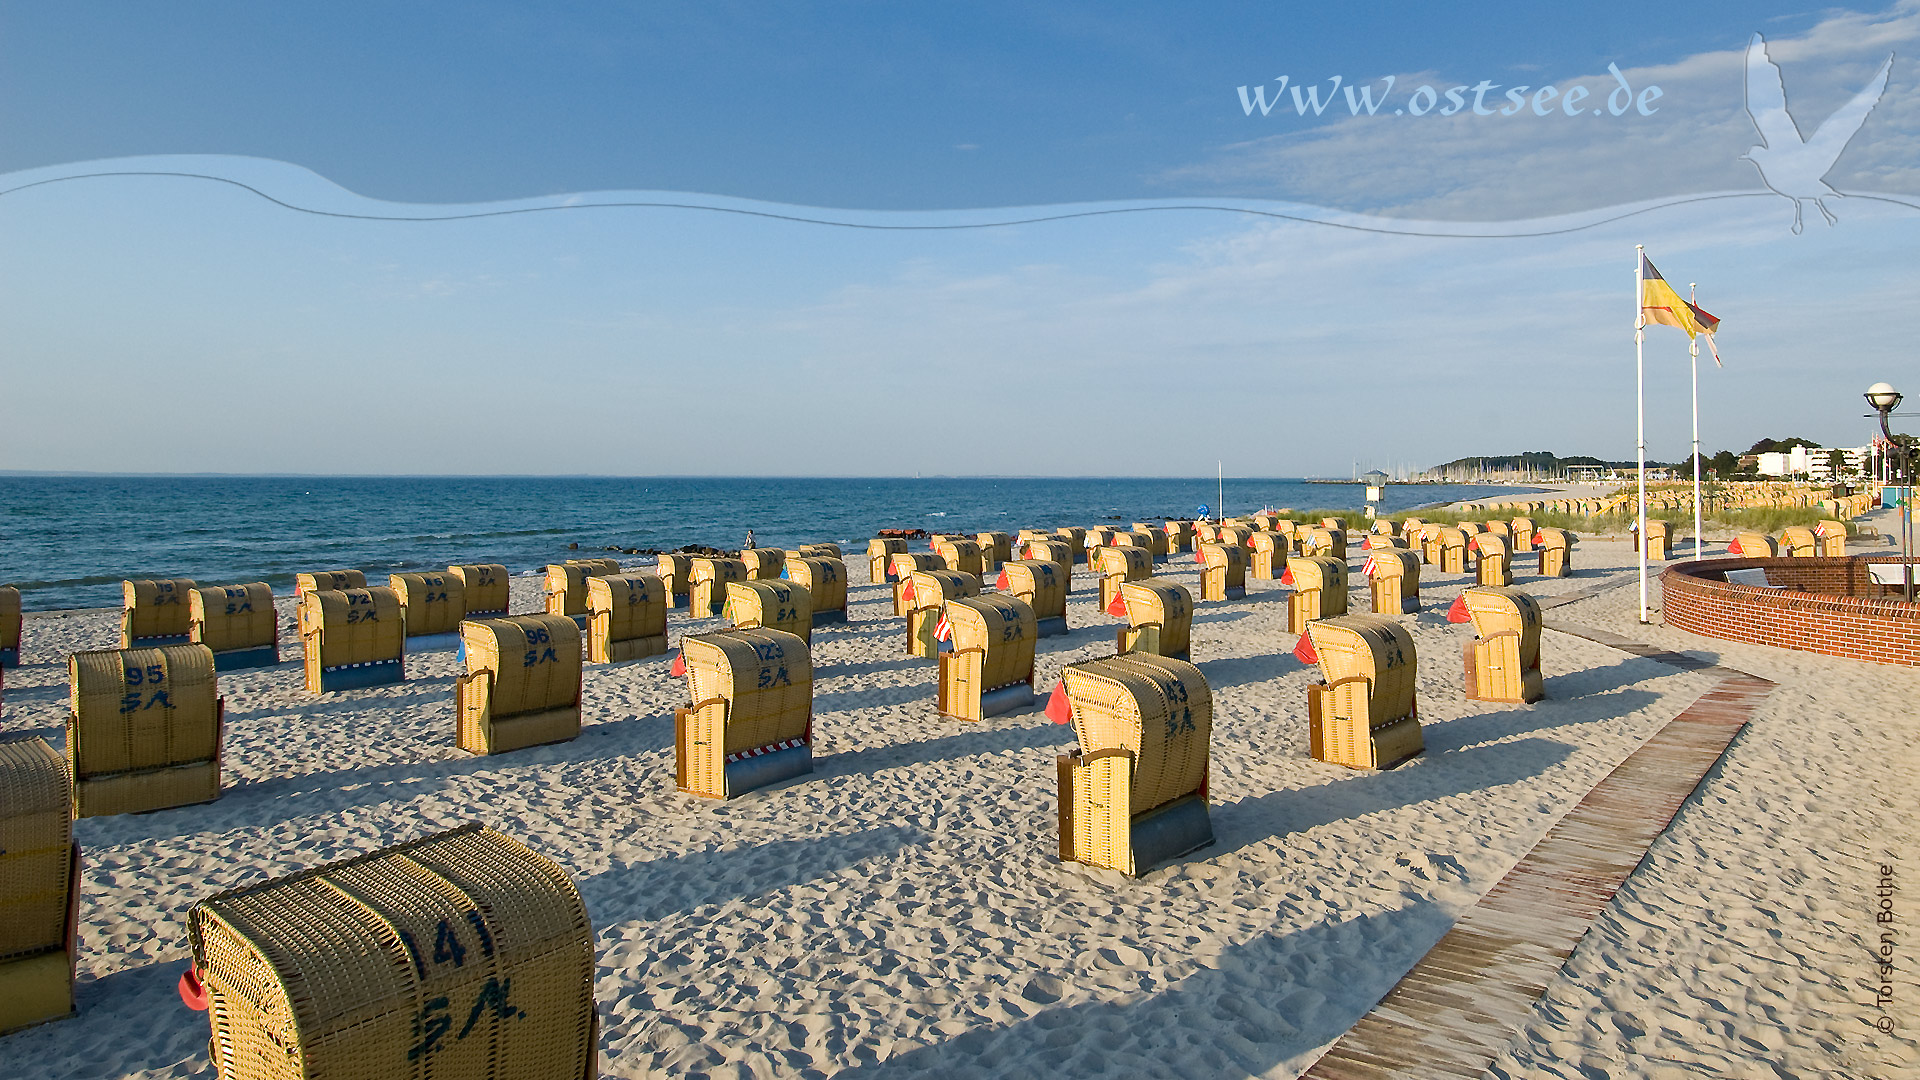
column 773, row 239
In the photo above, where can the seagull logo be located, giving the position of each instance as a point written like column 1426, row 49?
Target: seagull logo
column 1790, row 165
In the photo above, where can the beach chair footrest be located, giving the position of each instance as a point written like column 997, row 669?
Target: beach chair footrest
column 1168, row 832
column 236, row 659
column 1007, row 699
column 752, row 771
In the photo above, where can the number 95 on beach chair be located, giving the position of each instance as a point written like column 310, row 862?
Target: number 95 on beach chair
column 463, row 954
column 1134, row 794
column 144, row 730
column 990, row 668
column 1363, row 715
column 751, row 721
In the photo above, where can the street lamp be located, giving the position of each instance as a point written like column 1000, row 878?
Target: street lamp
column 1884, row 399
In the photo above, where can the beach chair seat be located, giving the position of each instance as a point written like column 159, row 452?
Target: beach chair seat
column 989, row 670
column 626, row 618
column 1041, row 584
column 1319, row 590
column 354, row 638
column 144, row 729
column 237, row 622
column 1503, row 659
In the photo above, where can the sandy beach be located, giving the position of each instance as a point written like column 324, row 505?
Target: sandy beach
column 901, row 910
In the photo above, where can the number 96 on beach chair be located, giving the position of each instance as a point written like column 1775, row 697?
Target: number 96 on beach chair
column 1134, row 795
column 989, row 670
column 522, row 683
column 751, row 721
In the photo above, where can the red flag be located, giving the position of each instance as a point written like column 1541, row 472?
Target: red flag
column 1734, row 548
column 1286, row 576
column 1118, row 608
column 906, row 592
column 1458, row 612
column 1367, row 570
column 942, row 631
column 1001, row 581
column 679, row 667
column 1059, row 709
column 1304, row 651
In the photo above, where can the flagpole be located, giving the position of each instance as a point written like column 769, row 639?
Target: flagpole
column 1640, row 402
column 1694, row 346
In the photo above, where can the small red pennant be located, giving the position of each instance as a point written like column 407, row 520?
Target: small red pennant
column 906, row 592
column 1118, row 608
column 679, row 667
column 1286, row 576
column 1458, row 612
column 1537, row 539
column 1734, row 548
column 1059, row 709
column 1199, row 556
column 1304, row 651
column 1001, row 581
column 1367, row 571
column 193, row 992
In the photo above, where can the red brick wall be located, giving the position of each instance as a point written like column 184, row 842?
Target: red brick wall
column 1823, row 609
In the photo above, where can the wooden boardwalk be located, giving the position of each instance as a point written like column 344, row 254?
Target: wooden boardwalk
column 1467, row 999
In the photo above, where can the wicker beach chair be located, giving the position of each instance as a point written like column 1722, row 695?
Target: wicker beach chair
column 1134, row 795
column 39, row 889
column 1833, row 538
column 1321, row 540
column 1503, row 659
column 154, row 612
column 1799, row 542
column 429, row 603
column 1754, row 545
column 626, row 618
column 11, row 622
column 1159, row 616
column 995, row 548
column 1041, row 584
column 676, row 571
column 1319, row 590
column 566, row 585
column 1453, row 549
column 990, row 669
column 1269, row 558
column 880, row 553
column 901, row 567
column 1555, row 548
column 774, row 605
column 751, row 720
column 1179, row 536
column 1363, row 714
column 522, row 682
column 825, row 580
column 1154, row 536
column 711, row 576
column 143, row 729
column 1393, row 577
column 353, row 638
column 1059, row 553
column 926, row 592
column 960, row 554
column 1118, row 564
column 1492, row 565
column 483, row 588
column 327, row 580
column 1520, row 532
column 237, row 622
column 1223, row 573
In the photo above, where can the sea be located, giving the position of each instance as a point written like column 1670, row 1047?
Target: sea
column 68, row 541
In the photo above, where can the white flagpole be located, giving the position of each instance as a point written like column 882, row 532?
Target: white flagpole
column 1695, row 348
column 1640, row 397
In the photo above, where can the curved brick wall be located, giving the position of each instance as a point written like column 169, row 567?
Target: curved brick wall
column 1828, row 606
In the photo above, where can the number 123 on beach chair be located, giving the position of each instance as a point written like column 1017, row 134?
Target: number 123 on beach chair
column 751, row 721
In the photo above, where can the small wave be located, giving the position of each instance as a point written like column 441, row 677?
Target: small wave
column 938, row 513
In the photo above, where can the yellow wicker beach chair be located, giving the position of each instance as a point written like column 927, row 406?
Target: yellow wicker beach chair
column 990, row 670
column 1159, row 616
column 522, row 682
column 626, row 618
column 825, row 580
column 1363, row 715
column 775, row 605
column 566, row 585
column 483, row 588
column 962, row 555
column 1754, row 545
column 995, row 548
column 1453, row 549
column 1492, row 566
column 1321, row 540
column 901, row 567
column 1833, row 538
column 1659, row 539
column 1059, row 553
column 1075, row 538
column 710, row 579
column 1041, row 584
column 927, row 591
column 429, row 603
column 676, row 571
column 1319, row 590
column 10, row 625
column 1520, row 532
column 1503, row 660
column 143, row 729
column 1799, row 542
column 1223, row 573
column 154, row 612
column 1555, row 552
column 237, row 622
column 1269, row 559
column 880, row 553
column 353, row 638
column 1118, row 564
column 1394, row 579
column 751, row 721
column 327, row 580
column 39, row 890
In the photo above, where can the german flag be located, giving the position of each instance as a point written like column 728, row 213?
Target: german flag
column 1659, row 303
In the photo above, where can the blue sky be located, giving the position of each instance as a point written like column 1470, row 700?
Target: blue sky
column 167, row 324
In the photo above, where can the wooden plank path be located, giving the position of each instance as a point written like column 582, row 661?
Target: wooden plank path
column 1467, row 999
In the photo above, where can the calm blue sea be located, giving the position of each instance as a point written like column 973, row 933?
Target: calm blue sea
column 68, row 541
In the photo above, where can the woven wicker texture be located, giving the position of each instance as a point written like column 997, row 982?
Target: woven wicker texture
column 1205, row 532
column 928, row 591
column 459, row 955
column 1520, row 532
column 136, row 717
column 324, row 580
column 710, row 579
column 1133, row 540
column 1179, row 536
column 626, row 618
column 1092, row 541
column 1157, row 709
column 825, row 580
column 1319, row 590
column 154, row 608
column 1224, row 567
column 1495, row 566
column 1395, row 581
column 483, row 586
column 1410, row 527
column 1269, row 558
column 431, row 603
column 10, row 620
column 677, row 572
column 960, row 554
column 1159, row 617
column 350, row 626
column 1503, row 663
column 1364, row 715
column 774, row 605
column 1040, row 583
column 1001, row 630
column 566, row 585
column 1453, row 549
column 1241, row 535
column 1555, row 552
column 229, row 617
column 1118, row 564
column 1320, row 540
column 1152, row 538
column 821, row 550
column 758, row 682
column 1799, row 542
column 36, row 834
column 763, row 563
column 879, row 554
column 1832, row 534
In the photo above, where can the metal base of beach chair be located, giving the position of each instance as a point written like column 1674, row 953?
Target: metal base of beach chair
column 236, row 659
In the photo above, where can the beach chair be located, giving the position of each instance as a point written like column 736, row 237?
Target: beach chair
column 1393, row 577
column 1410, row 529
column 1133, row 539
column 1155, row 537
column 1362, row 714
column 39, row 890
column 880, row 553
column 901, row 568
column 1503, row 659
column 1075, row 539
column 1555, row 552
column 1832, row 536
column 1333, row 524
column 1453, row 549
column 144, row 729
column 751, row 721
column 11, row 621
column 1223, row 573
column 995, row 548
column 1491, row 566
column 1382, row 542
column 1432, row 543
column 1269, row 558
column 522, row 682
column 626, row 618
column 483, row 589
column 1159, row 616
column 927, row 591
column 825, row 580
column 1057, row 552
column 429, row 603
column 236, row 622
column 711, row 576
column 1754, row 545
column 1319, row 590
column 957, row 553
column 1659, row 539
column 462, row 954
column 1134, row 794
column 1041, row 585
column 1799, row 542
column 763, row 564
column 154, row 612
column 354, row 638
column 822, row 550
column 1179, row 536
column 775, row 605
column 1118, row 564
column 676, row 572
column 566, row 586
column 1381, row 527
column 327, row 580
column 1096, row 541
column 990, row 668
column 1520, row 533
column 1240, row 536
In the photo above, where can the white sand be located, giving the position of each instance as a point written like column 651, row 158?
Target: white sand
column 901, row 911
